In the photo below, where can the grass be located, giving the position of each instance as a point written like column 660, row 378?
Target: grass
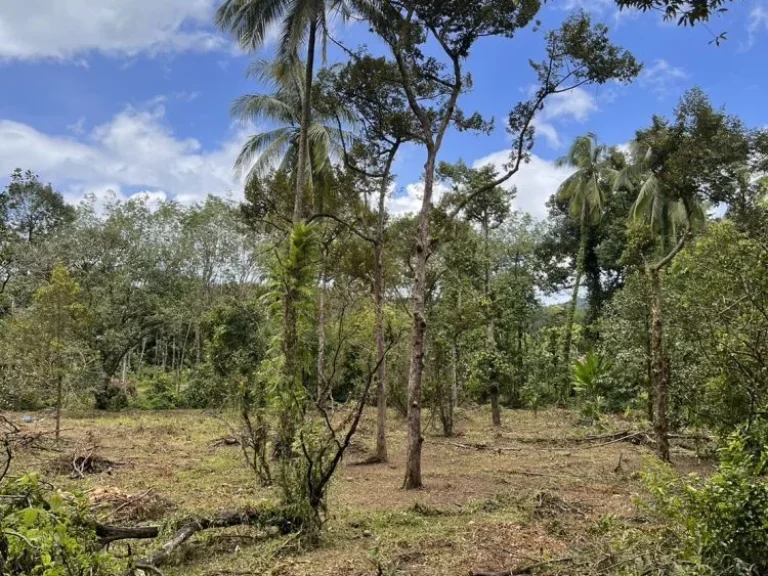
column 480, row 509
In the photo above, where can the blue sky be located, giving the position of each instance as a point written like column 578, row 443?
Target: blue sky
column 133, row 97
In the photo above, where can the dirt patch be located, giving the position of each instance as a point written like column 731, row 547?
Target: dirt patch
column 479, row 510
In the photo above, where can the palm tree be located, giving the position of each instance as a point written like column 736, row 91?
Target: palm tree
column 671, row 213
column 584, row 191
column 251, row 21
column 279, row 147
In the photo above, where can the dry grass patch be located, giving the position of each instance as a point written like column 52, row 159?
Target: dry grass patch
column 480, row 509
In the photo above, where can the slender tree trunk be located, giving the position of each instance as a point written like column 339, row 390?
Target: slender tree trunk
column 322, row 389
column 456, row 357
column 283, row 446
column 59, row 400
column 378, row 294
column 306, row 121
column 284, row 441
column 416, row 369
column 493, row 384
column 520, row 379
column 571, row 314
column 649, row 369
column 184, row 347
column 455, row 374
column 658, row 368
column 124, row 372
column 140, row 367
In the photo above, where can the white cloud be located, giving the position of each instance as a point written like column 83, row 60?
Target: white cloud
column 135, row 149
column 572, row 106
column 662, row 78
column 596, row 7
column 77, row 128
column 536, row 181
column 408, row 201
column 757, row 22
column 548, row 131
column 66, row 29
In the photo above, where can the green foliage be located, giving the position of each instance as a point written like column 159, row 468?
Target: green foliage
column 719, row 296
column 720, row 521
column 590, row 383
column 47, row 533
column 45, row 347
column 158, row 390
column 206, row 389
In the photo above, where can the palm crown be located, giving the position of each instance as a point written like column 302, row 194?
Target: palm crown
column 279, row 147
column 584, row 190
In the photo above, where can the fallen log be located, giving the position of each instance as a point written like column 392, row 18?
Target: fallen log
column 109, row 534
column 221, row 520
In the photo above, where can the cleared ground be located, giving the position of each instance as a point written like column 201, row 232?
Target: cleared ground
column 536, row 492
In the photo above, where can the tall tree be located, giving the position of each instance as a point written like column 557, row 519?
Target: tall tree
column 678, row 166
column 30, row 211
column 584, row 191
column 576, row 54
column 488, row 211
column 58, row 320
column 299, row 21
column 250, row 21
column 369, row 89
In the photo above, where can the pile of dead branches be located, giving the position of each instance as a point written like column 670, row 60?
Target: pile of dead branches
column 82, row 462
column 112, row 503
column 14, row 438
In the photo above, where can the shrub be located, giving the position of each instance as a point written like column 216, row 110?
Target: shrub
column 47, row 533
column 720, row 521
column 207, row 389
column 590, row 383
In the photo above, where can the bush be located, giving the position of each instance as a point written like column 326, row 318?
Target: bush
column 47, row 533
column 206, row 389
column 157, row 390
column 591, row 385
column 721, row 521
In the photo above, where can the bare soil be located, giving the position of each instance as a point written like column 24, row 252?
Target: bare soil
column 494, row 498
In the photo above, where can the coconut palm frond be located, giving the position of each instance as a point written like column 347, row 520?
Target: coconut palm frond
column 583, row 189
column 255, row 107
column 320, row 147
column 250, row 21
column 261, row 151
column 647, row 203
column 289, row 161
column 593, row 198
column 568, row 187
column 295, row 26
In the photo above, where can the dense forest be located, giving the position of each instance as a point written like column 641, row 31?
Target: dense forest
column 306, row 315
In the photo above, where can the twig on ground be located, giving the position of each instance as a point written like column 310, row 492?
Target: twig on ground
column 479, row 447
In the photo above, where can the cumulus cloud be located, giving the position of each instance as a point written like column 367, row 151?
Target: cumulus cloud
column 663, row 79
column 408, row 200
column 135, row 149
column 536, row 181
column 69, row 29
column 572, row 106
